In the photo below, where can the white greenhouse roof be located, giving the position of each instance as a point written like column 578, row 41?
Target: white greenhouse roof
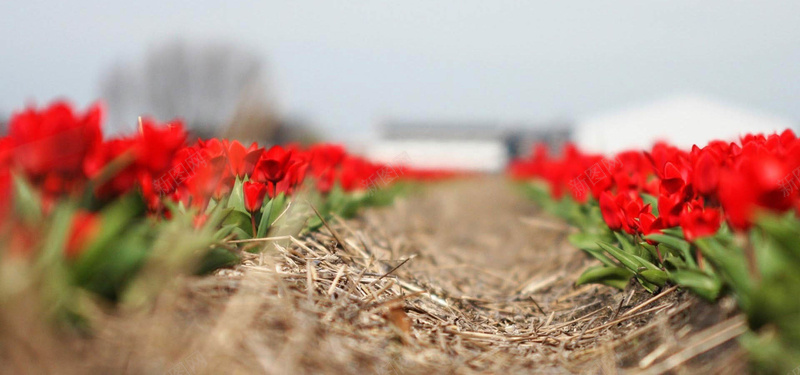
column 682, row 121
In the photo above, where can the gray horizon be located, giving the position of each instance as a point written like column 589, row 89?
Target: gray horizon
column 345, row 66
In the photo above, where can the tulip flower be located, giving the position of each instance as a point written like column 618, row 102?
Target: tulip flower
column 273, row 165
column 254, row 193
column 242, row 160
column 673, row 178
column 699, row 222
column 294, row 177
column 612, row 214
column 157, row 145
column 51, row 144
column 213, row 150
column 649, row 224
column 113, row 150
column 705, row 175
column 756, row 182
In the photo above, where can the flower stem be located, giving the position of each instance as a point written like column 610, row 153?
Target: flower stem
column 660, row 258
column 752, row 262
column 700, row 262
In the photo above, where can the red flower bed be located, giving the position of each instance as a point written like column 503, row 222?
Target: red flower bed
column 62, row 152
column 694, row 188
column 721, row 218
column 103, row 207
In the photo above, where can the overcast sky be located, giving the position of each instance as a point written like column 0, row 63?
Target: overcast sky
column 344, row 65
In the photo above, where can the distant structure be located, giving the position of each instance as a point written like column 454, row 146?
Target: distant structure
column 480, row 147
column 207, row 84
column 683, row 121
column 4, row 124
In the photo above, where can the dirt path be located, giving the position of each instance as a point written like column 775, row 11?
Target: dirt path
column 461, row 277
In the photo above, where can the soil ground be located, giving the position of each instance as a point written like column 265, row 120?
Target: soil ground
column 461, row 277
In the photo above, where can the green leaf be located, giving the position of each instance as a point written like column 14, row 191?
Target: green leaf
column 223, row 232
column 731, row 265
column 27, row 201
column 676, row 243
column 278, row 206
column 241, row 220
column 588, row 243
column 626, row 244
column 650, row 250
column 616, row 277
column 650, row 287
column 240, row 233
column 110, row 274
column 698, row 282
column 669, row 240
column 645, row 263
column 626, row 259
column 674, row 232
column 115, row 219
column 266, row 219
column 657, row 277
column 674, row 262
column 57, row 230
column 584, row 241
column 236, row 198
column 784, row 231
column 652, row 201
column 216, row 258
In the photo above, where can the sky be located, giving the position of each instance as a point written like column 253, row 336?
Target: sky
column 345, row 66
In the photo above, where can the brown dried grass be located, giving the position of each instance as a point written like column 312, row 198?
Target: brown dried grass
column 466, row 277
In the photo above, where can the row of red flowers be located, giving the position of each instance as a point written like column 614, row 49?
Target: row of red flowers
column 63, row 155
column 60, row 151
column 723, row 218
column 695, row 189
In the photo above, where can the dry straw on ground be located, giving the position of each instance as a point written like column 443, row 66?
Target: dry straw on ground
column 465, row 277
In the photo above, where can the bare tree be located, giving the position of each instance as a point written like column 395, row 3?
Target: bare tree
column 207, row 85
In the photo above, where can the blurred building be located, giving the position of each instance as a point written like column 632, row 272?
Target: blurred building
column 682, row 120
column 484, row 147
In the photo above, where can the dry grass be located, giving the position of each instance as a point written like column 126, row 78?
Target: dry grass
column 464, row 278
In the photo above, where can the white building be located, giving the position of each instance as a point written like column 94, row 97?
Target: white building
column 479, row 147
column 682, row 121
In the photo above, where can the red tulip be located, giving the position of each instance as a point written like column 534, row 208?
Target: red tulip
column 670, row 207
column 242, row 160
column 632, row 206
column 273, row 165
column 325, row 157
column 203, row 183
column 158, row 144
column 254, row 193
column 611, row 212
column 213, row 150
column 673, row 179
column 52, row 143
column 224, row 186
column 705, row 174
column 699, row 222
column 294, row 177
column 753, row 183
column 105, row 153
column 325, row 181
column 649, row 224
